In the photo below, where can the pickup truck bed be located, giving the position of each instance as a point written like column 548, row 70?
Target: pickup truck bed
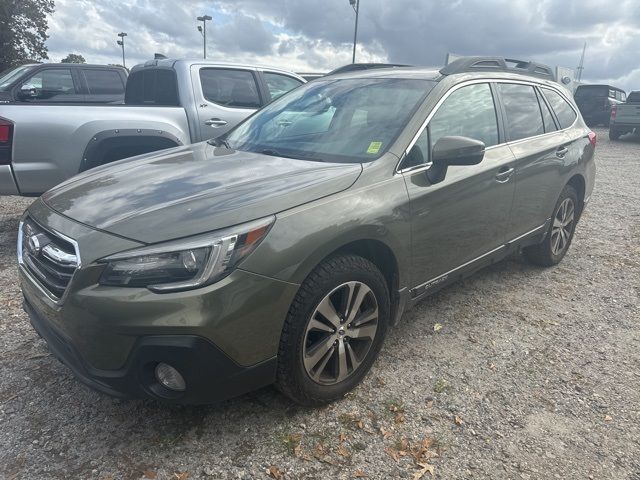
column 625, row 118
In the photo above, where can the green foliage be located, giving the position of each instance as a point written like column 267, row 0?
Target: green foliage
column 73, row 58
column 23, row 31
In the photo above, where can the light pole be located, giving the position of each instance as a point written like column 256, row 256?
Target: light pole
column 121, row 43
column 203, row 31
column 355, row 4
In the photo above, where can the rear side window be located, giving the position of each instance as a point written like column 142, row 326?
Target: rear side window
column 230, row 88
column 524, row 118
column 547, row 118
column 564, row 112
column 279, row 84
column 152, row 87
column 621, row 96
column 467, row 112
column 105, row 82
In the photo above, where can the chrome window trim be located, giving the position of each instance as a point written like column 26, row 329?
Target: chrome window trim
column 34, row 280
column 424, row 125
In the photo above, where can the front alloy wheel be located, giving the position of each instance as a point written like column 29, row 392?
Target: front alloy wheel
column 334, row 330
column 340, row 333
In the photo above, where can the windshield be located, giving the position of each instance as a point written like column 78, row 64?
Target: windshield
column 342, row 120
column 8, row 76
column 593, row 91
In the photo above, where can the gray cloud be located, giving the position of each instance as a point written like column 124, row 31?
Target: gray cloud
column 317, row 35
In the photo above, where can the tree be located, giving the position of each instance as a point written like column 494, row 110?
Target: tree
column 23, row 31
column 73, row 58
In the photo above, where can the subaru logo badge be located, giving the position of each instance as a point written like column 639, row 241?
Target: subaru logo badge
column 33, row 245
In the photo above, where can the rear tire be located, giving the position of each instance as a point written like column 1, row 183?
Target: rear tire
column 321, row 358
column 558, row 238
column 614, row 134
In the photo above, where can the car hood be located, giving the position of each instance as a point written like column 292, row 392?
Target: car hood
column 194, row 189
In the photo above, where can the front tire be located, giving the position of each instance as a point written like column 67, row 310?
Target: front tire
column 334, row 330
column 558, row 239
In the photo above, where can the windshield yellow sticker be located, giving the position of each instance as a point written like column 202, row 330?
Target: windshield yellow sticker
column 374, row 147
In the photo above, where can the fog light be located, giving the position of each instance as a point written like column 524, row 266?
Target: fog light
column 170, row 378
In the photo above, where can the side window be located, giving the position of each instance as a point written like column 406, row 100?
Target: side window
column 103, row 82
column 547, row 118
column 621, row 96
column 51, row 83
column 467, row 112
column 564, row 112
column 612, row 93
column 524, row 118
column 230, row 88
column 278, row 84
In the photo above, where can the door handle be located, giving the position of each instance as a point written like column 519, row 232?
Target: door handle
column 561, row 152
column 215, row 122
column 504, row 174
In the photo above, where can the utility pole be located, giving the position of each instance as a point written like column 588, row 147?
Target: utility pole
column 581, row 64
column 355, row 4
column 121, row 43
column 203, row 31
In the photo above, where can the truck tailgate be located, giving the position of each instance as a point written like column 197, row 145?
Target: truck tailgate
column 629, row 113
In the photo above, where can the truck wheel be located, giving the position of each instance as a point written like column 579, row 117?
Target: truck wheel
column 563, row 223
column 614, row 134
column 334, row 330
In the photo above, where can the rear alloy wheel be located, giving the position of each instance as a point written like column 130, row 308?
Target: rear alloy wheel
column 334, row 330
column 563, row 224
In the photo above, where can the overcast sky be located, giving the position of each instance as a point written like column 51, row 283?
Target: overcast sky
column 317, row 35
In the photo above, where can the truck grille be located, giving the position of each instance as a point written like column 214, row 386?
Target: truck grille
column 49, row 258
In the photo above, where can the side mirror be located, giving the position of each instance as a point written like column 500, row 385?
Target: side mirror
column 28, row 91
column 453, row 151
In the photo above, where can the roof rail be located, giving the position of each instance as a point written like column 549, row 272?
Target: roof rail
column 498, row 64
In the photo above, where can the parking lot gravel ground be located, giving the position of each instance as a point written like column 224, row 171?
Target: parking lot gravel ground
column 516, row 372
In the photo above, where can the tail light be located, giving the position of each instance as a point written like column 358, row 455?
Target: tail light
column 614, row 109
column 592, row 139
column 6, row 141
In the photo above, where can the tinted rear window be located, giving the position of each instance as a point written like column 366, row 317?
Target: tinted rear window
column 565, row 114
column 634, row 97
column 591, row 91
column 152, row 87
column 105, row 82
column 523, row 112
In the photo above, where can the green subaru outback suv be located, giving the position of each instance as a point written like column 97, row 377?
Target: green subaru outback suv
column 283, row 251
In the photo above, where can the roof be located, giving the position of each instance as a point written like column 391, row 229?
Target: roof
column 174, row 62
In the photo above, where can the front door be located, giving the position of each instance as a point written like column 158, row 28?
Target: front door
column 464, row 217
column 224, row 96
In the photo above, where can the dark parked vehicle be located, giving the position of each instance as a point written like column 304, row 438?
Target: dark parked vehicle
column 284, row 250
column 60, row 83
column 595, row 102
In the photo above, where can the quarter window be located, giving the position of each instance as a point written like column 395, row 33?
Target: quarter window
column 547, row 118
column 467, row 112
column 521, row 107
column 278, row 84
column 565, row 114
column 231, row 88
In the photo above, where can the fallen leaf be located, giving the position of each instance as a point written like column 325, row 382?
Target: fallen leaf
column 399, row 418
column 457, row 420
column 343, row 437
column 182, row 475
column 381, row 382
column 608, row 418
column 360, row 474
column 342, row 451
column 149, row 474
column 393, row 453
column 275, row 472
column 430, row 403
column 437, row 327
column 359, row 424
column 425, row 467
column 385, row 433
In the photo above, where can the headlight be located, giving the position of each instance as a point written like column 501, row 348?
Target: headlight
column 185, row 264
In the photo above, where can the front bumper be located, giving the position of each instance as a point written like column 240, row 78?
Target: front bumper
column 210, row 375
column 7, row 181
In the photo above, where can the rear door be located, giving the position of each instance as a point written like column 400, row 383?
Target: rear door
column 464, row 217
column 225, row 96
column 540, row 148
column 103, row 85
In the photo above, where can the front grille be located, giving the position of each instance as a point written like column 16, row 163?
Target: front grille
column 49, row 258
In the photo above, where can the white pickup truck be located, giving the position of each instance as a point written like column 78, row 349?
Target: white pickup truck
column 625, row 118
column 168, row 103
